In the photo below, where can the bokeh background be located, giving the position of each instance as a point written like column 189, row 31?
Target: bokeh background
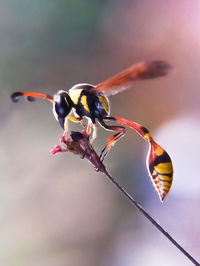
column 56, row 210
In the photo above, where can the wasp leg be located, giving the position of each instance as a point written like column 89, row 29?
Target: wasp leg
column 112, row 140
column 66, row 125
column 94, row 133
column 89, row 127
column 82, row 123
column 76, row 120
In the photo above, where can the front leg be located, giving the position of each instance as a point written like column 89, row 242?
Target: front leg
column 73, row 119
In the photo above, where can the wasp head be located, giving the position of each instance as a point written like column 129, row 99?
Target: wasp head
column 62, row 106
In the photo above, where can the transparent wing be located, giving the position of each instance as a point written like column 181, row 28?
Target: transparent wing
column 139, row 71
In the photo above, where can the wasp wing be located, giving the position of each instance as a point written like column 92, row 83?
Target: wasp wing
column 139, row 71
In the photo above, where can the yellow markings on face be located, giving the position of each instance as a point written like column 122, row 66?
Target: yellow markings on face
column 84, row 103
column 104, row 101
column 75, row 95
column 66, row 101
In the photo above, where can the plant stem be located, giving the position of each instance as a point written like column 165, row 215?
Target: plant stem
column 133, row 202
column 79, row 144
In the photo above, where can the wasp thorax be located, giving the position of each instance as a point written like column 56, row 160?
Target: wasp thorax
column 62, row 106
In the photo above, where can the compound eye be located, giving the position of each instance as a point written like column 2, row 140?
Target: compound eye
column 62, row 104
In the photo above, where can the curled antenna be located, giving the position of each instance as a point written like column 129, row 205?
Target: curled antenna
column 15, row 96
column 30, row 96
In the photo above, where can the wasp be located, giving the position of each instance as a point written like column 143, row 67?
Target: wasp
column 89, row 101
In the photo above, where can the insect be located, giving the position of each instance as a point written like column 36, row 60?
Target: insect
column 91, row 102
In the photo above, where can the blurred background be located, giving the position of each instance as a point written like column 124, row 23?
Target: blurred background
column 56, row 210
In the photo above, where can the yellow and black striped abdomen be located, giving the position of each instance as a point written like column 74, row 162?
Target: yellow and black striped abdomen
column 160, row 168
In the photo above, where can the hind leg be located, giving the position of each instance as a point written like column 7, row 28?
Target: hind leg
column 112, row 140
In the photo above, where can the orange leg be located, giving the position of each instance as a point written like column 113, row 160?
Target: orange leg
column 91, row 126
column 112, row 140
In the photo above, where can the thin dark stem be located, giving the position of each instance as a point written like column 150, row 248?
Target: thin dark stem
column 79, row 144
column 133, row 202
